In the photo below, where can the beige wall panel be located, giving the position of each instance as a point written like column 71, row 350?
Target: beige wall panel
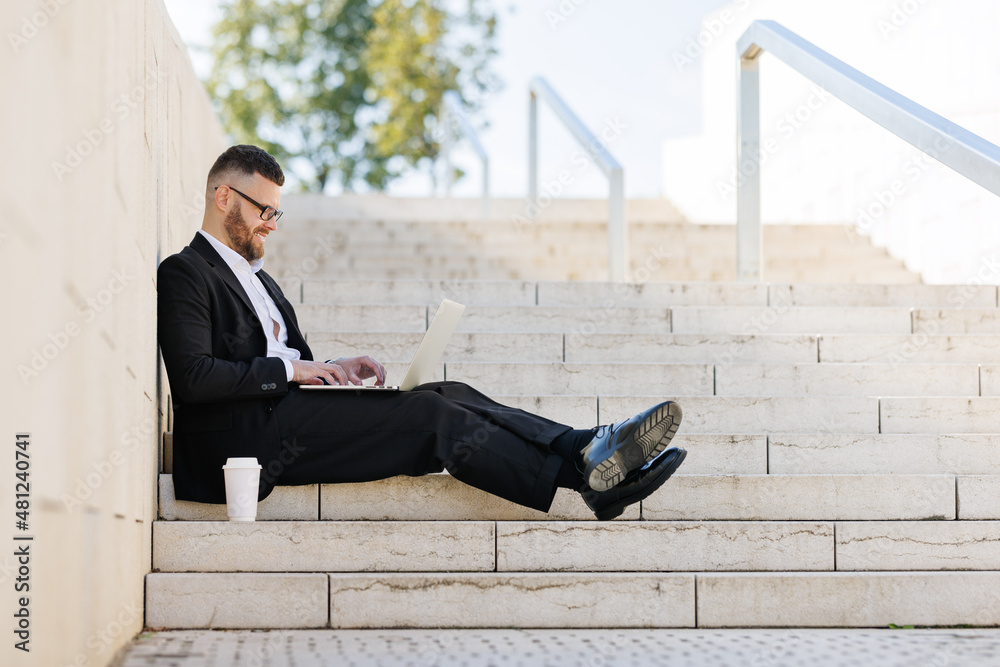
column 108, row 137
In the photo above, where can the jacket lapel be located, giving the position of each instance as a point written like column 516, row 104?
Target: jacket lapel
column 205, row 249
column 295, row 338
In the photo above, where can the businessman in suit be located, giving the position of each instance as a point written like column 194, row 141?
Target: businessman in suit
column 235, row 360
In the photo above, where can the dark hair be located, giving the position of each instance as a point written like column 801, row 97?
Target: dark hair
column 247, row 160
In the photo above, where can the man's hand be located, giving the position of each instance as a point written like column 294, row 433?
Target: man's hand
column 361, row 368
column 315, row 372
column 345, row 371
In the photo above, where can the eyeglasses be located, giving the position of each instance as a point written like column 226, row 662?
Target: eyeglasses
column 266, row 212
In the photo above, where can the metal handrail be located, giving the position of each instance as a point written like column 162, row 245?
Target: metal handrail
column 617, row 230
column 954, row 146
column 455, row 111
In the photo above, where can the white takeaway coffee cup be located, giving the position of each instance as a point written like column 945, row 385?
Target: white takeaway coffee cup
column 242, row 481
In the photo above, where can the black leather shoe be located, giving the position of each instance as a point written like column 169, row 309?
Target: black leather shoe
column 636, row 486
column 618, row 449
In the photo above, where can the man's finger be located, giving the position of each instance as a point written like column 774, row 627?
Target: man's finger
column 338, row 376
column 376, row 369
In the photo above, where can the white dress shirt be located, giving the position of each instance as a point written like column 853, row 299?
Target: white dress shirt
column 262, row 302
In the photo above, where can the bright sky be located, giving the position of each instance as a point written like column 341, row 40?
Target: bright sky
column 612, row 61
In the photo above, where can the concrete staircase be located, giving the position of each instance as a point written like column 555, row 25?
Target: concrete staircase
column 843, row 467
column 377, row 238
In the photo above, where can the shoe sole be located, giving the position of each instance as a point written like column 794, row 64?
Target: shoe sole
column 649, row 439
column 615, row 510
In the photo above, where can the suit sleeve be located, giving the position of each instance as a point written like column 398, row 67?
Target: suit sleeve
column 185, row 330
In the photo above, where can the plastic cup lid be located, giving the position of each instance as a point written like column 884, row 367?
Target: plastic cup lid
column 242, row 462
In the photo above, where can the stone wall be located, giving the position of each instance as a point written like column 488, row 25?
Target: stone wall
column 107, row 137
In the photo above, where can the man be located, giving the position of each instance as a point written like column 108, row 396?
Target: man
column 235, row 359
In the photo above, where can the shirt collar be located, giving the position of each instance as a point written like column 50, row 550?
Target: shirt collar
column 234, row 259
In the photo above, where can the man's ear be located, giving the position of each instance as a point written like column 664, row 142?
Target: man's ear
column 222, row 195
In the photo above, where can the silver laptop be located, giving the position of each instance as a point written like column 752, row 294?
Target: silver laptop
column 424, row 361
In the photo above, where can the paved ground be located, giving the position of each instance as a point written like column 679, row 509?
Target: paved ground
column 599, row 648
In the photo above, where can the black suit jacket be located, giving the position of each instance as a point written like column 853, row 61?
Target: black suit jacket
column 223, row 385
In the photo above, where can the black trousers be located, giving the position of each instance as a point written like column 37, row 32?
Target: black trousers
column 346, row 436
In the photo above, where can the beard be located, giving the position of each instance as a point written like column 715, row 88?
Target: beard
column 243, row 239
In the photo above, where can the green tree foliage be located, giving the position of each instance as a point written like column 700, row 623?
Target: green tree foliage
column 347, row 90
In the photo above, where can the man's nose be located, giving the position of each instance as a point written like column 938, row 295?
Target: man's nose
column 271, row 224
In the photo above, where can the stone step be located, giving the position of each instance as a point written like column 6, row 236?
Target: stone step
column 784, row 318
column 435, row 497
column 575, row 411
column 577, row 254
column 682, row 348
column 549, row 271
column 776, row 295
column 563, row 319
column 481, row 229
column 915, row 296
column 919, row 347
column 803, row 498
column 373, row 207
column 550, row 266
column 710, row 546
column 421, row 292
column 827, row 320
column 729, row 380
column 834, row 274
column 886, row 453
column 829, row 234
column 957, row 320
column 918, row 545
column 805, row 435
column 324, row 546
column 440, row 600
column 364, row 318
column 762, row 380
column 403, row 273
column 572, row 600
column 440, row 497
column 483, row 319
column 593, row 348
column 509, row 546
column 940, row 415
column 657, row 546
column 849, row 600
column 609, row 295
column 237, row 600
column 574, row 546
column 393, row 347
column 686, row 497
column 980, row 497
column 284, row 503
column 539, row 379
column 719, row 415
column 313, row 228
column 830, row 379
column 678, row 241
